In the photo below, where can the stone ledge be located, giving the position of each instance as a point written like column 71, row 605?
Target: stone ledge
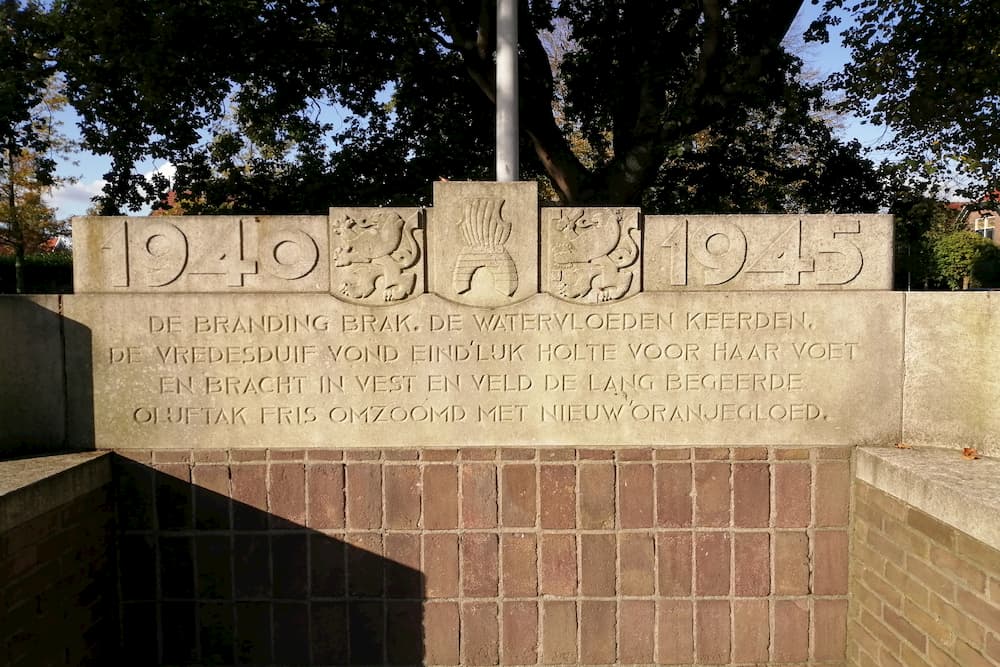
column 961, row 493
column 30, row 487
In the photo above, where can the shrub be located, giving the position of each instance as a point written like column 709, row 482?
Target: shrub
column 49, row 273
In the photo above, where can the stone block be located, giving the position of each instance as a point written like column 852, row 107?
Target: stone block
column 637, row 564
column 32, row 385
column 520, row 633
column 440, row 494
column 519, row 565
column 441, row 565
column 480, row 633
column 242, row 370
column 674, row 563
column 751, row 631
column 597, row 496
column 952, row 383
column 482, row 242
column 201, row 254
column 479, row 495
column 402, row 497
column 559, row 632
column 636, row 494
column 768, row 252
column 591, row 255
column 791, row 631
column 558, row 565
column 597, row 632
column 636, row 632
column 441, row 633
column 676, row 636
column 480, row 565
column 712, row 630
column 597, row 565
column 558, row 496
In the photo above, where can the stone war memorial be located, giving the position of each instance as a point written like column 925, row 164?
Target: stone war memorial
column 485, row 432
column 488, row 324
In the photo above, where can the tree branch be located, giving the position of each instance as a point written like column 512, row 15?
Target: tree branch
column 567, row 173
column 462, row 40
column 486, row 39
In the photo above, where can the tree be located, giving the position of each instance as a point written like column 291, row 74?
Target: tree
column 27, row 221
column 928, row 71
column 642, row 81
column 784, row 158
column 25, row 162
column 965, row 259
column 933, row 247
column 919, row 222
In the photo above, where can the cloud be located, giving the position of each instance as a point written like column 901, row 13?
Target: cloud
column 167, row 169
column 75, row 198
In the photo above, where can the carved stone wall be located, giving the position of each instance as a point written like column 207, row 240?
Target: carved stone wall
column 478, row 433
column 487, row 245
column 485, row 318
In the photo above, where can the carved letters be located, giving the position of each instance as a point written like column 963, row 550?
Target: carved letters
column 483, row 249
column 768, row 252
column 200, row 254
column 307, row 370
column 485, row 320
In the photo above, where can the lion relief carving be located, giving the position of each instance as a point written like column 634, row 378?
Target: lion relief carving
column 372, row 250
column 592, row 251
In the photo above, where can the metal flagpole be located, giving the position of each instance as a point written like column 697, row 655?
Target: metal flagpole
column 507, row 129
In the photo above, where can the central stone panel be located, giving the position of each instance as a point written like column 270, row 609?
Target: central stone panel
column 486, row 321
column 659, row 369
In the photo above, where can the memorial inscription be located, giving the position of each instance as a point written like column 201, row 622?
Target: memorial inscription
column 768, row 252
column 667, row 370
column 580, row 339
column 179, row 254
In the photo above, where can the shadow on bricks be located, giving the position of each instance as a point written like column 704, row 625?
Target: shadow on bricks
column 209, row 579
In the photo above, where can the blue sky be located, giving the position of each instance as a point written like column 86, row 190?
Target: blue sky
column 827, row 59
column 74, row 198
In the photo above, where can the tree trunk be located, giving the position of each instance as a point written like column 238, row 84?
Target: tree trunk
column 14, row 223
column 19, row 269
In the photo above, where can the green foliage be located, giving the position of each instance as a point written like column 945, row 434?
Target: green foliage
column 919, row 220
column 28, row 142
column 934, row 251
column 965, row 259
column 155, row 93
column 48, row 273
column 927, row 70
column 25, row 41
column 785, row 159
column 230, row 91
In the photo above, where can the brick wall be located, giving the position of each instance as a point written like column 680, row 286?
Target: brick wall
column 479, row 556
column 57, row 594
column 922, row 592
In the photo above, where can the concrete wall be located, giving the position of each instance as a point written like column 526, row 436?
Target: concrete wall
column 717, row 591
column 938, row 355
column 32, row 384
